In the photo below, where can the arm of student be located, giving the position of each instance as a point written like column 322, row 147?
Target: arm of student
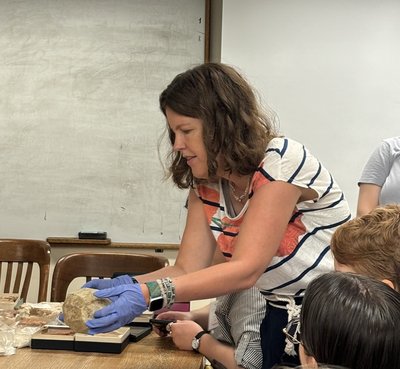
column 221, row 355
column 183, row 332
column 260, row 235
column 200, row 316
column 368, row 198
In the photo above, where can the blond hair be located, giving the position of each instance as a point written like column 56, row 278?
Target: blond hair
column 370, row 244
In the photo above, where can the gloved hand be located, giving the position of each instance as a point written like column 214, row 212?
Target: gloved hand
column 127, row 303
column 101, row 284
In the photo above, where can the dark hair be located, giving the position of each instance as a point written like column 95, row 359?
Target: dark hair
column 234, row 125
column 351, row 320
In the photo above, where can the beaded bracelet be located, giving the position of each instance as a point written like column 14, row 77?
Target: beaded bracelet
column 163, row 292
column 169, row 289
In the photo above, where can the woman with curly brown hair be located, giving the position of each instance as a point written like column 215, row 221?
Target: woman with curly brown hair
column 263, row 203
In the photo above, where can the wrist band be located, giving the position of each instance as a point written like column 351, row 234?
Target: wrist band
column 156, row 296
column 162, row 293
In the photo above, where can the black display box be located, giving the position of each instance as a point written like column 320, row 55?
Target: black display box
column 139, row 330
column 62, row 338
column 53, row 338
column 112, row 342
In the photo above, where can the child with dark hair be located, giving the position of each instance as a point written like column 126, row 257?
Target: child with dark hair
column 349, row 320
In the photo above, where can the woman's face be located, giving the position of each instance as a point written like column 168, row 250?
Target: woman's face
column 189, row 142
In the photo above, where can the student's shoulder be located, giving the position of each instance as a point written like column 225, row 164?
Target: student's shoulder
column 386, row 151
column 392, row 144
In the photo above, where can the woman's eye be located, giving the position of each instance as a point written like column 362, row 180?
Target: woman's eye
column 186, row 131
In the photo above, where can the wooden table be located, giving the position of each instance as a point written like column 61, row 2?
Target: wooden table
column 152, row 352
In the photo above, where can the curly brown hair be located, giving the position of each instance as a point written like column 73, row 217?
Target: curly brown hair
column 370, row 244
column 234, row 125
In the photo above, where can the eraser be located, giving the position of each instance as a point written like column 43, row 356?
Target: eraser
column 92, row 235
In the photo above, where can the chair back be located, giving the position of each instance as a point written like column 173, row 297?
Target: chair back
column 17, row 257
column 99, row 265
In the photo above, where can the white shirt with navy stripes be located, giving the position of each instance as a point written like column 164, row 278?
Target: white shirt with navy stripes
column 304, row 251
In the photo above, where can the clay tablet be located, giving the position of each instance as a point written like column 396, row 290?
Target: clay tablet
column 80, row 306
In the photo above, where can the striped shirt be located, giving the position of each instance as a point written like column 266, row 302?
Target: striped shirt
column 239, row 318
column 304, row 251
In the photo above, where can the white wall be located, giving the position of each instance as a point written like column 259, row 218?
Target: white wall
column 329, row 69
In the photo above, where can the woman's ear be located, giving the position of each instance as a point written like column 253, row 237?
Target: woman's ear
column 306, row 360
column 388, row 282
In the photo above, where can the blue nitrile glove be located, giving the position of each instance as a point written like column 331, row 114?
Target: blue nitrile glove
column 127, row 303
column 101, row 284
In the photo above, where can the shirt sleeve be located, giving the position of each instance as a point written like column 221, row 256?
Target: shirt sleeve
column 289, row 161
column 378, row 166
column 244, row 312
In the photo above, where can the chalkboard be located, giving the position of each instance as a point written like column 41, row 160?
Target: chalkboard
column 79, row 116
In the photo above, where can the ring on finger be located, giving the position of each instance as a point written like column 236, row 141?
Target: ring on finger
column 168, row 327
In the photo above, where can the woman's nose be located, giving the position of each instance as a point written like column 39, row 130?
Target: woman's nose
column 179, row 143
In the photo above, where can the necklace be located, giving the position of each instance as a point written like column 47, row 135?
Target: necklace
column 243, row 195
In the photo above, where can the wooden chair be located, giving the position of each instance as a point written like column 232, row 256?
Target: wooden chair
column 19, row 255
column 101, row 265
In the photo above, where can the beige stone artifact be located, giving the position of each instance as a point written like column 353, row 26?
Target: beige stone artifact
column 79, row 306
